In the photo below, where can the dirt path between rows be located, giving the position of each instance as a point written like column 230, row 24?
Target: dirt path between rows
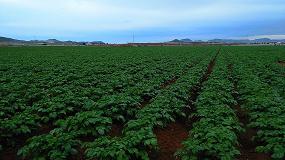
column 195, row 91
column 166, row 84
column 116, row 129
column 170, row 138
column 247, row 145
column 282, row 63
column 10, row 153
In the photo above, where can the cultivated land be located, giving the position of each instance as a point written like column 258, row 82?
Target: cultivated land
column 161, row 103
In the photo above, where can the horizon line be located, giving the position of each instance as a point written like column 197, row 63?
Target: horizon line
column 253, row 37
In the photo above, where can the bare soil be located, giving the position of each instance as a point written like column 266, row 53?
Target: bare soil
column 116, row 130
column 281, row 63
column 79, row 156
column 247, row 145
column 10, row 153
column 169, row 140
column 174, row 79
column 195, row 91
column 146, row 101
column 169, row 82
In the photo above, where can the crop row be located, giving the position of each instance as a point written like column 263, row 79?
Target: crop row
column 70, row 105
column 266, row 109
column 65, row 102
column 214, row 134
column 138, row 138
column 262, row 98
column 264, row 64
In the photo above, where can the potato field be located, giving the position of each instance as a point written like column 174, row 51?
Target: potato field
column 139, row 103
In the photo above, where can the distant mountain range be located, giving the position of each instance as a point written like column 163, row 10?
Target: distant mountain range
column 239, row 41
column 10, row 41
column 4, row 39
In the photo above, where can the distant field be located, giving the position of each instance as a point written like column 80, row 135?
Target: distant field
column 142, row 102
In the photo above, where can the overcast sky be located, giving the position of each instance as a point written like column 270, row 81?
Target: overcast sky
column 149, row 20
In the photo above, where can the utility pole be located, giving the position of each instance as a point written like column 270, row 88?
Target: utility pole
column 133, row 37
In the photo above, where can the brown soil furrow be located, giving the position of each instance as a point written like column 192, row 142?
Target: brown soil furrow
column 281, row 63
column 79, row 155
column 195, row 91
column 169, row 82
column 170, row 138
column 147, row 99
column 11, row 152
column 174, row 79
column 8, row 154
column 116, row 130
column 247, row 145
